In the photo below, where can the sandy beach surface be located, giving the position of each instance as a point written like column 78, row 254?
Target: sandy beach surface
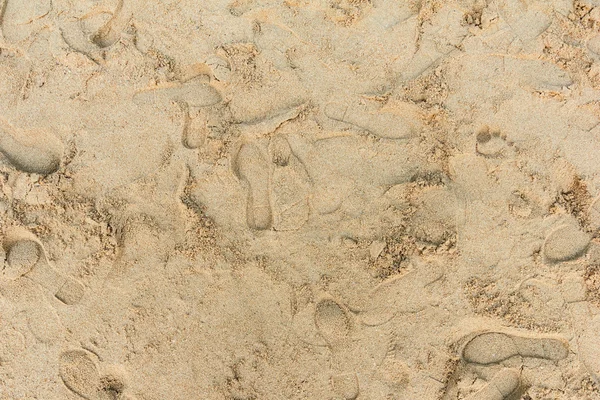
column 300, row 199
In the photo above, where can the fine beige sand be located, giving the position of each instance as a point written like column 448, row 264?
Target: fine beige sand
column 300, row 199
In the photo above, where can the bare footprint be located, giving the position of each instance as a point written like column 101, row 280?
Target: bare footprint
column 27, row 257
column 383, row 124
column 490, row 143
column 290, row 187
column 356, row 349
column 33, row 152
column 505, row 385
column 493, row 347
column 29, row 310
column 251, row 166
column 334, row 324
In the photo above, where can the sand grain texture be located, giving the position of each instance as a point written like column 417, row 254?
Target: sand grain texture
column 278, row 200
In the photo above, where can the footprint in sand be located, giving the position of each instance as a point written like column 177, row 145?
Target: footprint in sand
column 394, row 124
column 589, row 346
column 26, row 274
column 28, row 151
column 82, row 375
column 195, row 129
column 356, row 348
column 567, row 242
column 192, row 96
column 436, row 216
column 488, row 349
column 111, row 31
column 345, row 385
column 27, row 257
column 94, row 31
column 332, row 320
column 329, row 189
column 495, row 346
column 339, row 166
column 195, row 93
column 335, row 325
column 12, row 343
column 401, row 294
column 19, row 19
column 290, row 187
column 491, row 143
column 251, row 166
column 506, row 384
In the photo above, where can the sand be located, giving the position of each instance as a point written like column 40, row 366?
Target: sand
column 300, row 199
